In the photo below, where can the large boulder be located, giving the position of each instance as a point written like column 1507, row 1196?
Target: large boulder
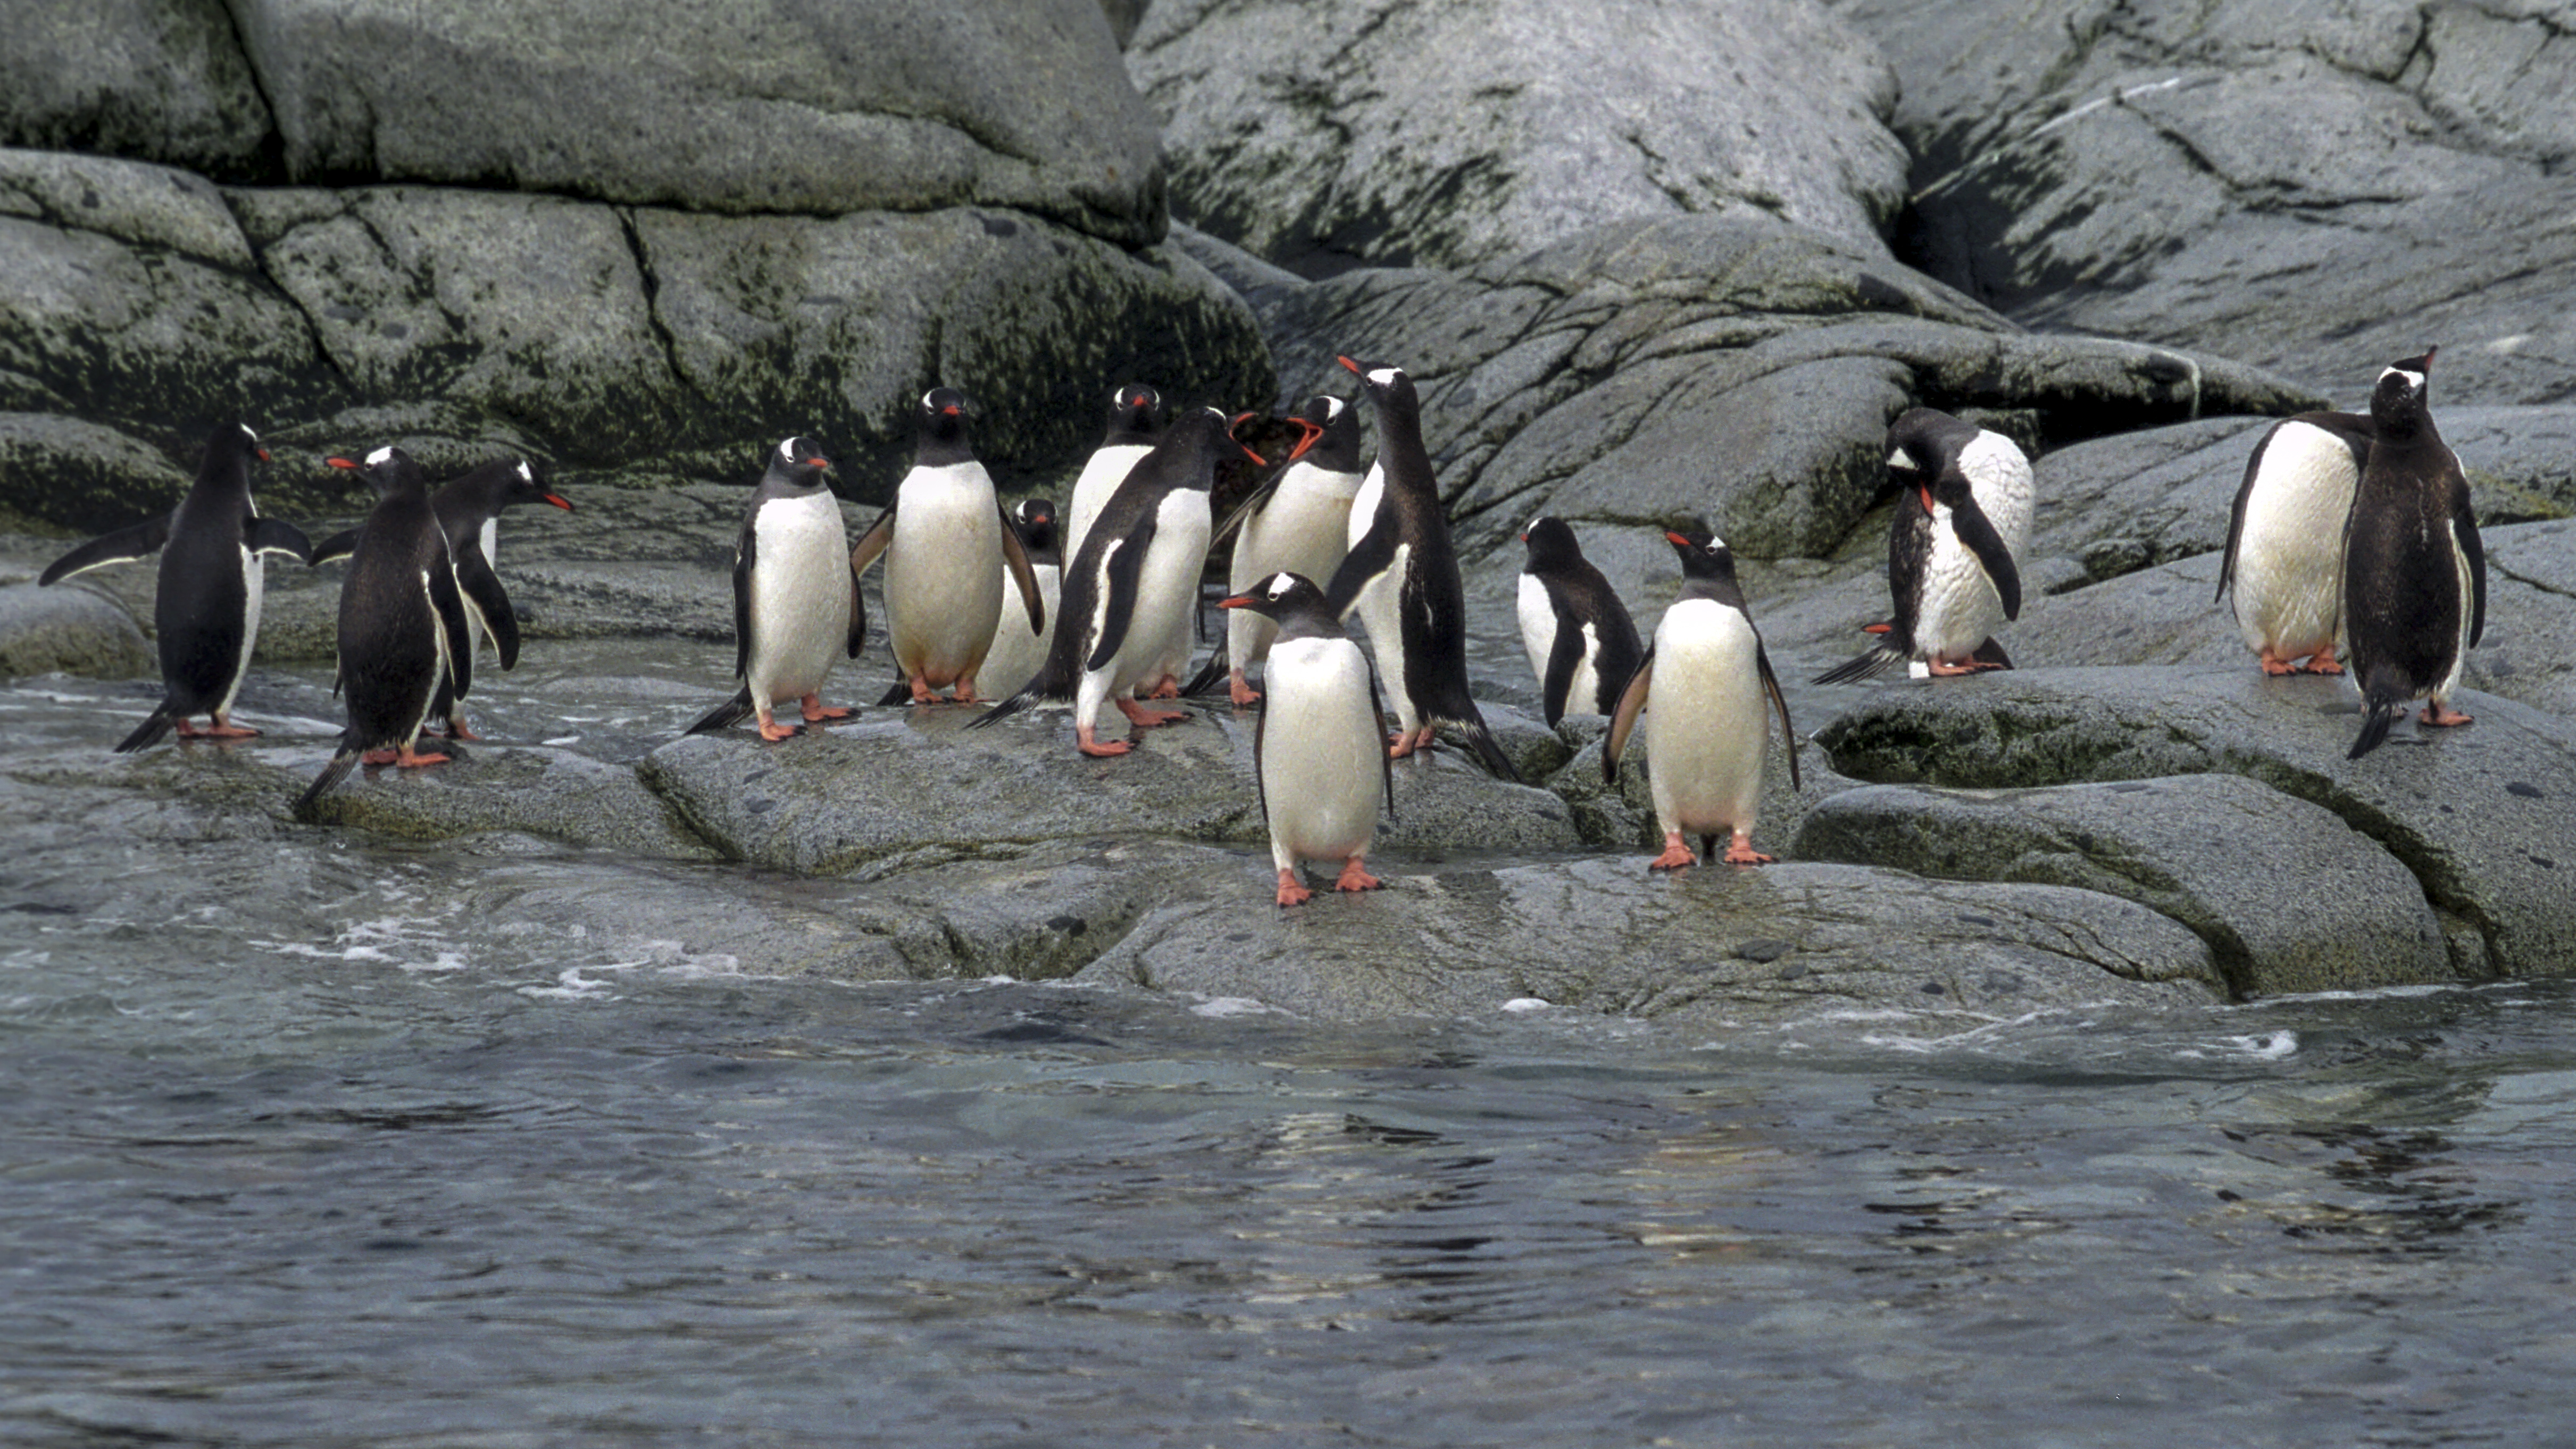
column 2310, row 188
column 68, row 630
column 1392, row 133
column 156, row 80
column 770, row 107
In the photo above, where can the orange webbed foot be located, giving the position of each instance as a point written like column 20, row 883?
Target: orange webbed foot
column 1099, row 749
column 1243, row 694
column 1677, row 855
column 1293, row 892
column 1145, row 719
column 1353, row 878
column 2442, row 716
column 1740, row 851
column 407, row 759
column 773, row 731
column 220, row 729
column 816, row 711
column 377, row 757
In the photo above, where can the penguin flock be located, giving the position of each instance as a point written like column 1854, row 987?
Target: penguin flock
column 2351, row 547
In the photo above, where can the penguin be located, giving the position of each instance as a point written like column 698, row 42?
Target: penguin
column 1400, row 574
column 795, row 596
column 1581, row 642
column 2285, row 539
column 1133, row 586
column 205, row 611
column 1018, row 650
column 1701, row 689
column 2414, row 572
column 1317, row 734
column 1135, row 425
column 1299, row 524
column 946, row 543
column 1950, row 565
column 402, row 626
column 469, row 508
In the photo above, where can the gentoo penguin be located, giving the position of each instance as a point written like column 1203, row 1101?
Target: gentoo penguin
column 946, row 543
column 1133, row 587
column 1299, row 524
column 1581, row 642
column 1135, row 425
column 206, row 609
column 1019, row 651
column 796, row 601
column 1318, row 733
column 1701, row 690
column 469, row 512
column 402, row 625
column 2414, row 572
column 1951, row 569
column 2285, row 539
column 1403, row 579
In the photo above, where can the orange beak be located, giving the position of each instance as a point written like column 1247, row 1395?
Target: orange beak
column 343, row 463
column 1346, row 362
column 1675, row 539
column 559, row 502
column 1927, row 500
column 1239, row 601
column 826, row 462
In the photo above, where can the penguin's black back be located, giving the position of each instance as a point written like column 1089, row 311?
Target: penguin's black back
column 389, row 631
column 200, row 610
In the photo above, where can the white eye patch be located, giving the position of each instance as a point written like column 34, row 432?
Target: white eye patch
column 381, row 456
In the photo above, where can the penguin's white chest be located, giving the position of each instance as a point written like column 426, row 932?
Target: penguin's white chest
column 1705, row 725
column 1959, row 607
column 254, row 590
column 800, row 596
column 1322, row 775
column 943, row 571
column 1167, row 588
column 1018, row 651
column 2287, row 589
column 1539, row 627
column 1304, row 530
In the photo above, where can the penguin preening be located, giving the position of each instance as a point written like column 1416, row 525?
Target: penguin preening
column 1135, row 426
column 1402, row 577
column 1316, row 747
column 1580, row 640
column 403, row 626
column 1299, row 522
column 1952, row 573
column 1702, row 690
column 948, row 549
column 796, row 602
column 2285, row 541
column 2415, row 573
column 1133, row 586
column 206, row 607
column 469, row 509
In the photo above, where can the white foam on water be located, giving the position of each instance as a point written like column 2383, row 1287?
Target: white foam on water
column 1225, row 1006
column 1522, row 1004
column 571, row 985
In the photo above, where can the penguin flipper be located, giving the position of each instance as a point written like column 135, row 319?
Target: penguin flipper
column 1373, row 555
column 482, row 588
column 1209, row 676
column 125, row 545
column 1869, row 663
column 338, row 546
column 724, row 716
column 1385, row 759
column 2473, row 552
column 1563, row 658
column 743, row 551
column 343, row 760
column 900, row 693
column 1977, row 533
column 858, row 613
column 1024, row 575
column 872, row 544
column 1623, row 720
column 449, row 603
column 149, row 733
column 1122, row 564
column 2236, row 514
column 1779, row 701
column 1243, row 512
column 276, row 535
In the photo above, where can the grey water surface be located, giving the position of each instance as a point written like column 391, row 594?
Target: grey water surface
column 309, row 1138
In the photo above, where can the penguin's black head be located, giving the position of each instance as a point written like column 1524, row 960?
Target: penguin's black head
column 1278, row 596
column 1925, row 441
column 1338, row 449
column 1704, row 556
column 943, row 416
column 2399, row 404
column 520, row 485
column 1136, row 409
column 1551, row 545
column 801, row 461
column 1035, row 519
column 239, row 435
column 386, row 470
column 1386, row 385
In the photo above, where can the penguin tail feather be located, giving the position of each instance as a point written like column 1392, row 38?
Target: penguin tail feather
column 724, row 716
column 149, row 733
column 1210, row 675
column 1482, row 741
column 1869, row 664
column 1007, row 707
column 901, row 693
column 343, row 761
column 2380, row 711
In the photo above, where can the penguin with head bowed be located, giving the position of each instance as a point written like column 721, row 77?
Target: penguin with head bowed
column 469, row 509
column 1316, row 748
column 1019, row 650
column 1581, row 642
column 796, row 604
column 2284, row 552
column 205, row 613
column 2415, row 573
column 946, row 544
column 1133, row 587
column 1402, row 577
column 1297, row 522
column 1135, row 426
column 1702, row 690
column 403, row 625
column 1951, row 570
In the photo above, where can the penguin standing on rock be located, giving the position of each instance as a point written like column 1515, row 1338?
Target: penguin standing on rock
column 1581, row 642
column 1702, row 689
column 402, row 626
column 1402, row 577
column 946, row 543
column 1316, row 748
column 1135, row 426
column 1132, row 588
column 1019, row 650
column 2285, row 539
column 1299, row 524
column 205, row 612
column 2415, row 573
column 1951, row 563
column 469, row 512
column 796, row 603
